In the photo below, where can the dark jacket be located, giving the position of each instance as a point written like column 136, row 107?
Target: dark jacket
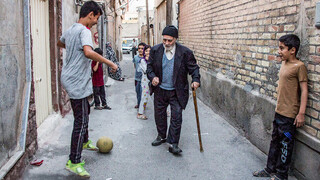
column 184, row 64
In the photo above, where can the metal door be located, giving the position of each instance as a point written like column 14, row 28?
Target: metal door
column 41, row 58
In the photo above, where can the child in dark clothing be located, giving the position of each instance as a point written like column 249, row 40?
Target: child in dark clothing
column 98, row 84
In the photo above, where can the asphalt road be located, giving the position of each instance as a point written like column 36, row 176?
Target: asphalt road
column 227, row 155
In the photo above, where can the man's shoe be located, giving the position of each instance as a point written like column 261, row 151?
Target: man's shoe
column 77, row 169
column 174, row 149
column 89, row 146
column 158, row 141
column 98, row 108
column 106, row 107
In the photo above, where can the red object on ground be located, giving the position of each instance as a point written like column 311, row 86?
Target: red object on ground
column 36, row 162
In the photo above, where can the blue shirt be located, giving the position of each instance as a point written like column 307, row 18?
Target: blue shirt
column 138, row 74
column 167, row 73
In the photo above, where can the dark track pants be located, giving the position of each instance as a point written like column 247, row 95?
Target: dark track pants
column 281, row 146
column 162, row 98
column 81, row 111
column 99, row 93
column 134, row 52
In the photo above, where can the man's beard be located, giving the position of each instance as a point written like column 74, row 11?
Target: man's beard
column 168, row 48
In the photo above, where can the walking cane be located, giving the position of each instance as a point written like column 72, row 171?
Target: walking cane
column 197, row 117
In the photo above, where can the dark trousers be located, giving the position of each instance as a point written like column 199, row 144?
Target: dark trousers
column 81, row 111
column 162, row 98
column 281, row 146
column 138, row 91
column 134, row 52
column 99, row 93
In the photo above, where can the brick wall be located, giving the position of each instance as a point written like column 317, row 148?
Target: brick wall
column 239, row 39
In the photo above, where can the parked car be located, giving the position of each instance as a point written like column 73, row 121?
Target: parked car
column 126, row 48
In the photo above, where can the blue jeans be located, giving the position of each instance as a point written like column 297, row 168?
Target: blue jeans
column 138, row 91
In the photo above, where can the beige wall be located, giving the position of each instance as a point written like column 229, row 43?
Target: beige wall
column 115, row 16
column 160, row 20
column 130, row 30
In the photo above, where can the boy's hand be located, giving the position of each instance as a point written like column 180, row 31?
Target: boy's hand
column 114, row 68
column 299, row 121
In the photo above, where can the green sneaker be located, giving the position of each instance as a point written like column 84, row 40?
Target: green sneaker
column 89, row 146
column 77, row 169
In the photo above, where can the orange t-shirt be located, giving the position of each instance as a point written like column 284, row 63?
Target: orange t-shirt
column 288, row 102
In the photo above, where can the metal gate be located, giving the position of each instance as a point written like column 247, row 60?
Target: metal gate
column 41, row 58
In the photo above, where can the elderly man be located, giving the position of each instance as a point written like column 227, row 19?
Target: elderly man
column 168, row 67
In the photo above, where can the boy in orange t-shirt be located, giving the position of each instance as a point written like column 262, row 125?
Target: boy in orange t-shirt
column 291, row 106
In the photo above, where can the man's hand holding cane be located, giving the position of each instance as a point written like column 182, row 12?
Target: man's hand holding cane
column 195, row 85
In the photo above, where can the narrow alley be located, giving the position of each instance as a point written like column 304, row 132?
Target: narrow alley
column 227, row 154
column 255, row 65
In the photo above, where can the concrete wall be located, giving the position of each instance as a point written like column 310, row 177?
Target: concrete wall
column 246, row 109
column 12, row 76
column 115, row 28
column 236, row 43
column 12, row 88
column 174, row 13
column 118, row 30
column 69, row 15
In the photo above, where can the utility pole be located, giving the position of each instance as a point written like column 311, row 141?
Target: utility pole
column 168, row 11
column 148, row 26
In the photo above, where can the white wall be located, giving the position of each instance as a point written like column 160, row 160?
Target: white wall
column 69, row 15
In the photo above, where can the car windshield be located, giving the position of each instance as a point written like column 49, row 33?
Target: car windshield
column 126, row 45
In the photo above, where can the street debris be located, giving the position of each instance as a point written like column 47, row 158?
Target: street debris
column 36, row 162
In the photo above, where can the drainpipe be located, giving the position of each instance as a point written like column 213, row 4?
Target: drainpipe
column 22, row 139
column 168, row 12
column 178, row 12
